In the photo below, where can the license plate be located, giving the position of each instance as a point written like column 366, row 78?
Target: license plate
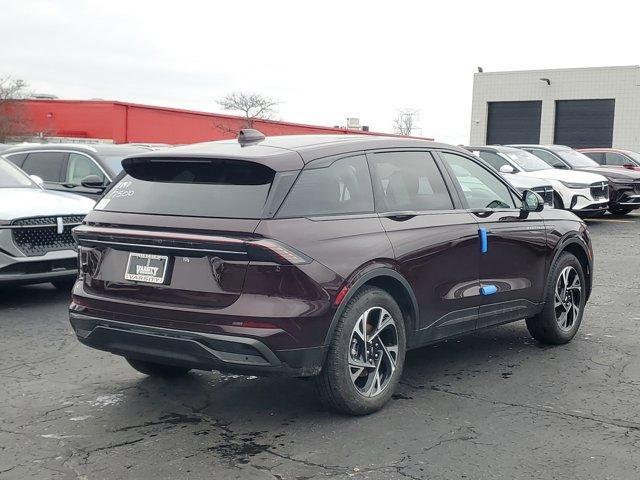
column 144, row 267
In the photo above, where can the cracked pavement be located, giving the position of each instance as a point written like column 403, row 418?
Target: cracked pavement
column 487, row 406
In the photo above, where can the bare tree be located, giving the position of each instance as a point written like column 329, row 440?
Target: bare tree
column 12, row 119
column 252, row 105
column 405, row 121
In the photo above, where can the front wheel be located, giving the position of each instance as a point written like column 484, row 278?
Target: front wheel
column 566, row 296
column 619, row 210
column 365, row 360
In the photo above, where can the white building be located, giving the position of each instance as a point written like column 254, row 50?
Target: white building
column 578, row 107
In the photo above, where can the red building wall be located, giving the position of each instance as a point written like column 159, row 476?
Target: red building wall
column 128, row 122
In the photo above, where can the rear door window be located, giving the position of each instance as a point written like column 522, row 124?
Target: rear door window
column 203, row 188
column 408, row 181
column 616, row 159
column 46, row 165
column 342, row 188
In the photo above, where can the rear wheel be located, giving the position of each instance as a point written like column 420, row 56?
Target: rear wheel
column 365, row 360
column 562, row 313
column 157, row 369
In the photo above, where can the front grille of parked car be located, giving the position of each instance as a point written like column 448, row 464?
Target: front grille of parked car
column 39, row 235
column 546, row 193
column 636, row 187
column 600, row 190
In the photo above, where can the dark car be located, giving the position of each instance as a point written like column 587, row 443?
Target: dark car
column 613, row 157
column 72, row 168
column 624, row 184
column 324, row 256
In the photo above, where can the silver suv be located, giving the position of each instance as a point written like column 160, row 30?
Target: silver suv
column 36, row 245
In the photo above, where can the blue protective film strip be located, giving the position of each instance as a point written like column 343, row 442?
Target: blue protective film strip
column 482, row 233
column 488, row 290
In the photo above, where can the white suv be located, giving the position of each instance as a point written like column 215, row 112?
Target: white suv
column 585, row 194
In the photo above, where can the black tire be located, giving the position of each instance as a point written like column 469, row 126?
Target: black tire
column 620, row 211
column 545, row 326
column 65, row 284
column 157, row 369
column 335, row 386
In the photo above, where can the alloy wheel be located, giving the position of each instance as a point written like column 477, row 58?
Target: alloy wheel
column 373, row 351
column 567, row 300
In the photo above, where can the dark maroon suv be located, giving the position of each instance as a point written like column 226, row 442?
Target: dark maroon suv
column 324, row 256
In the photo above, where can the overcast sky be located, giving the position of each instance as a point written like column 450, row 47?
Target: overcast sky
column 325, row 60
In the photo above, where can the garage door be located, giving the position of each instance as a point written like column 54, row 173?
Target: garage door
column 584, row 123
column 513, row 122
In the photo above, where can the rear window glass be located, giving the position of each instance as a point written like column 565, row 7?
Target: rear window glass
column 342, row 188
column 208, row 188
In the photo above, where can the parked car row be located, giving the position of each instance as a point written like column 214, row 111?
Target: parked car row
column 579, row 183
column 623, row 184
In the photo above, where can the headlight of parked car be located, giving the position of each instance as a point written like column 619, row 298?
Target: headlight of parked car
column 574, row 185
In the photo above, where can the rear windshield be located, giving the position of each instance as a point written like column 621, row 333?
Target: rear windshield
column 210, row 188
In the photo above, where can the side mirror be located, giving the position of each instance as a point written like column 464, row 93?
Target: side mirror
column 37, row 179
column 92, row 181
column 629, row 166
column 507, row 169
column 531, row 201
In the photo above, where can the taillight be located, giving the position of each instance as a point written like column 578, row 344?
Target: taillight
column 266, row 250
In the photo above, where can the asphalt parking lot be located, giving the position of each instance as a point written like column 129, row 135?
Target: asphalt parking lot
column 493, row 405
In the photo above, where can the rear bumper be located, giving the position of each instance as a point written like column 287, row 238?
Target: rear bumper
column 197, row 350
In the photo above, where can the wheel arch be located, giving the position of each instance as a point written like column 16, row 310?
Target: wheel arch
column 578, row 248
column 394, row 284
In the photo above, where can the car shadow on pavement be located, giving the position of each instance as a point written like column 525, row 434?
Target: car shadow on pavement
column 12, row 296
column 495, row 353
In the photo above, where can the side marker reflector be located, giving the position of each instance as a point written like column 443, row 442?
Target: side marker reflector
column 343, row 291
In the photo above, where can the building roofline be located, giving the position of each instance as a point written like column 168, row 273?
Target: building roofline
column 501, row 72
column 218, row 115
